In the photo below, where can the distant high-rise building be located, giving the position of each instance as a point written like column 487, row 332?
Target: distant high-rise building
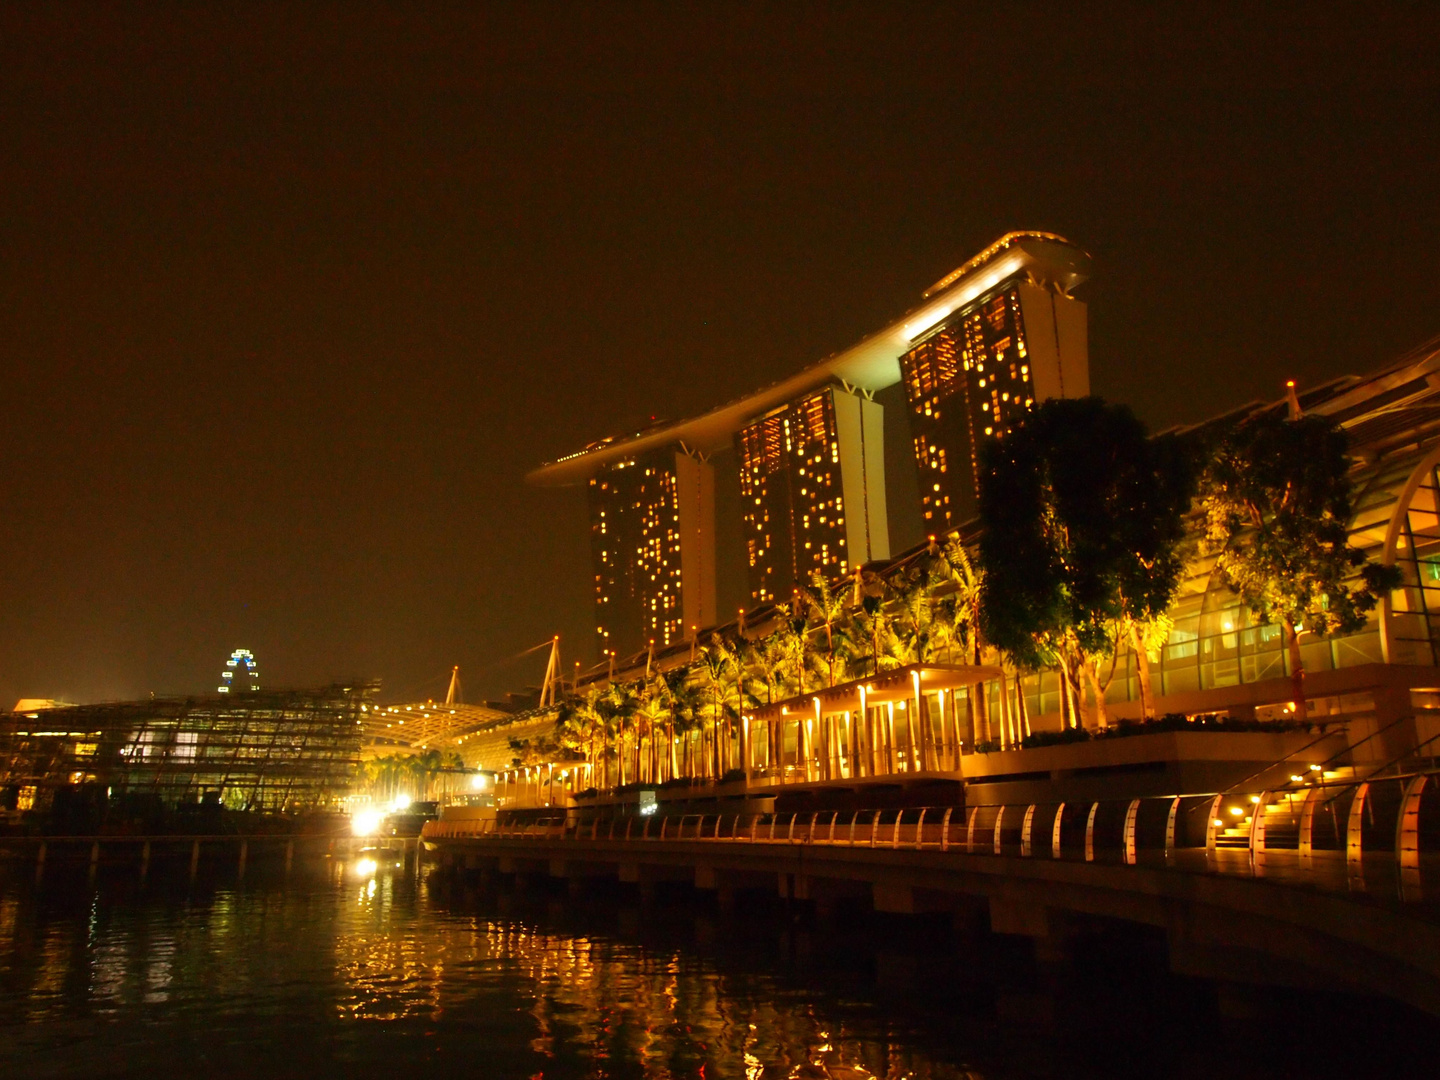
column 812, row 487
column 652, row 544
column 976, row 373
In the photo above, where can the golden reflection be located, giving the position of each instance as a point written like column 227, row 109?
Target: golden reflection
column 380, row 951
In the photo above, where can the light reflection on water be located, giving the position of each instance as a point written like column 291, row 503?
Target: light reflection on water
column 362, row 970
column 369, row 972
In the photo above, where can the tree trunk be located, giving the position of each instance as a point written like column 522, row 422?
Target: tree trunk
column 1022, row 708
column 1102, row 718
column 1007, row 715
column 1297, row 673
column 1142, row 663
column 980, row 703
column 719, row 726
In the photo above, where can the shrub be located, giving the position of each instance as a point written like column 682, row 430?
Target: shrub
column 686, row 781
column 1054, row 738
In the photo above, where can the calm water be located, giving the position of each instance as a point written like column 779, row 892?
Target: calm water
column 347, row 972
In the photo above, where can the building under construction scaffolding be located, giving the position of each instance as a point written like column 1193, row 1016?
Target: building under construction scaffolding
column 278, row 750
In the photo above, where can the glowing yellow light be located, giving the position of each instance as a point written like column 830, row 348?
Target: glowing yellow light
column 366, row 822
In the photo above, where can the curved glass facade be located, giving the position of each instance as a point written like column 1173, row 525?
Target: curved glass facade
column 1216, row 642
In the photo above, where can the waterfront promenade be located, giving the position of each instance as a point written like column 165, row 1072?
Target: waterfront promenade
column 1296, row 904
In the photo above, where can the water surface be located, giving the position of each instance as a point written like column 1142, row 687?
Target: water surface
column 346, row 970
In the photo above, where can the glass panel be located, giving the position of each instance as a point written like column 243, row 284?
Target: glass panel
column 1361, row 648
column 1261, row 666
column 1181, row 680
column 1049, row 693
column 1315, row 655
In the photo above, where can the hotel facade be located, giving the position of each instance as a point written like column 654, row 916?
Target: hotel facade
column 652, row 549
column 986, row 342
column 812, row 491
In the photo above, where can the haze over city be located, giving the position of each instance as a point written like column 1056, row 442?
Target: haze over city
column 295, row 296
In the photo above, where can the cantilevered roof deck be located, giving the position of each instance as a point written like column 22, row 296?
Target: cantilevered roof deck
column 871, row 364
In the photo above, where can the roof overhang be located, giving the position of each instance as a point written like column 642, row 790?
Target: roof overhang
column 872, row 364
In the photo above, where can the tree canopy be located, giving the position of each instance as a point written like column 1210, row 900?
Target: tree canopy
column 1083, row 519
column 1277, row 514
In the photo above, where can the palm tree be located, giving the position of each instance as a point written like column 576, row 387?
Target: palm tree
column 653, row 712
column 794, row 645
column 617, row 708
column 581, row 726
column 967, row 582
column 827, row 608
column 675, row 694
column 719, row 673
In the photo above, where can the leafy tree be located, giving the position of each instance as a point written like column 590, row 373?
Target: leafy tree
column 1277, row 511
column 1083, row 519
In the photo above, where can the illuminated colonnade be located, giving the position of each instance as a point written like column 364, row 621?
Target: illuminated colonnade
column 912, row 719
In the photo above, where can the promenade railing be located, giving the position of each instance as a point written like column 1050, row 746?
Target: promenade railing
column 1362, row 836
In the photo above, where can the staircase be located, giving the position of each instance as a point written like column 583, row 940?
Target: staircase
column 1236, row 818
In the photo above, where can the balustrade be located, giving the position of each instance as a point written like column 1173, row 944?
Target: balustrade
column 1279, row 836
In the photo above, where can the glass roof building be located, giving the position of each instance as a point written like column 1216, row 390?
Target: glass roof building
column 1218, row 657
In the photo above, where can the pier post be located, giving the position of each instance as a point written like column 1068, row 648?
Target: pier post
column 144, row 860
column 244, row 850
column 289, row 855
column 194, row 858
column 40, row 862
column 94, row 857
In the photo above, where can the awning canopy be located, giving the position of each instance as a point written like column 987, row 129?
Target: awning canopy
column 898, row 684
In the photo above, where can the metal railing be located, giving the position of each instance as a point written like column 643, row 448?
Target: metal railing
column 1134, row 832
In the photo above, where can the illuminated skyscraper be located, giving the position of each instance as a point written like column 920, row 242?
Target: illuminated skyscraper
column 812, row 485
column 652, row 544
column 980, row 370
column 987, row 341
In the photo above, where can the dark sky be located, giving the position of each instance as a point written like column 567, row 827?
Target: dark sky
column 292, row 297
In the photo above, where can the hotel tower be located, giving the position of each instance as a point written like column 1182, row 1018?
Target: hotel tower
column 985, row 343
column 652, row 548
column 812, row 490
column 977, row 372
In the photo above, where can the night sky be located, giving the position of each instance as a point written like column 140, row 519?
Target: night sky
column 291, row 298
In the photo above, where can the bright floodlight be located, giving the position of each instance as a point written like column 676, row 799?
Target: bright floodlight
column 478, row 781
column 366, row 822
column 402, row 802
